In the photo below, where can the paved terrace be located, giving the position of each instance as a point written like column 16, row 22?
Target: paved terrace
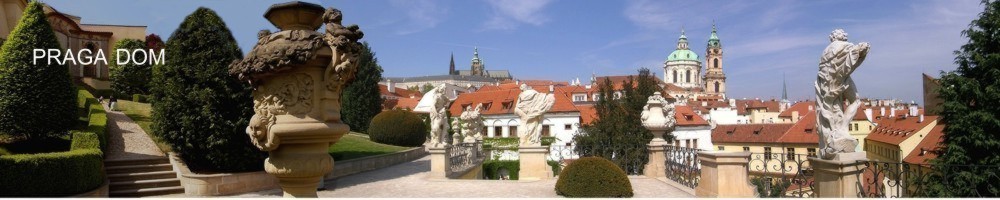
column 409, row 180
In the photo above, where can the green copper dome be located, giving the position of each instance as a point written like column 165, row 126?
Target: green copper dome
column 682, row 54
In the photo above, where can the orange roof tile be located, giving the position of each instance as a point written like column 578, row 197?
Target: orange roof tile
column 932, row 144
column 803, row 132
column 587, row 113
column 742, row 106
column 749, row 133
column 894, row 130
column 687, row 117
column 407, row 103
column 801, row 107
column 503, row 101
column 400, row 92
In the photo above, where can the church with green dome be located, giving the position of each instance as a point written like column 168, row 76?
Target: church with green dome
column 683, row 74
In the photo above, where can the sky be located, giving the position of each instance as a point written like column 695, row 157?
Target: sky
column 763, row 41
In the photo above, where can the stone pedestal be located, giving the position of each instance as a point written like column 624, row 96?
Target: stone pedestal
column 656, row 167
column 533, row 163
column 724, row 175
column 439, row 162
column 837, row 178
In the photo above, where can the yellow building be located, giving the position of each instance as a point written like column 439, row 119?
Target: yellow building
column 895, row 137
column 74, row 35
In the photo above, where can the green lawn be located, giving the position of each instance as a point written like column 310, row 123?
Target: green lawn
column 355, row 145
column 141, row 114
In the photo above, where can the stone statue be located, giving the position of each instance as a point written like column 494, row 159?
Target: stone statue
column 472, row 124
column 435, row 104
column 531, row 106
column 836, row 94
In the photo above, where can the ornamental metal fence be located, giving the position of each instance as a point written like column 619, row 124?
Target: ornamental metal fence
column 682, row 165
column 878, row 179
column 781, row 175
column 463, row 157
column 630, row 158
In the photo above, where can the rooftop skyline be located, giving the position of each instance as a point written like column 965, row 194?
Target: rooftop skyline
column 564, row 40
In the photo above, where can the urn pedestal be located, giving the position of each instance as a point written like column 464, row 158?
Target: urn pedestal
column 658, row 118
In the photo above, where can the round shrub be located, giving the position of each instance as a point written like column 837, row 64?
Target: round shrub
column 398, row 127
column 593, row 177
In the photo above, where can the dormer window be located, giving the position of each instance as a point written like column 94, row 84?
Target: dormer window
column 506, row 105
column 809, row 130
column 756, row 132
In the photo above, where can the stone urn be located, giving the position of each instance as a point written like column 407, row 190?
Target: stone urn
column 658, row 117
column 298, row 75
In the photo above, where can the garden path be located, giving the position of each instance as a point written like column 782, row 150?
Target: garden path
column 126, row 140
column 410, row 180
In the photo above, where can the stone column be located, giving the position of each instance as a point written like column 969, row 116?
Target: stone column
column 724, row 175
column 439, row 162
column 656, row 167
column 658, row 117
column 837, row 178
column 533, row 163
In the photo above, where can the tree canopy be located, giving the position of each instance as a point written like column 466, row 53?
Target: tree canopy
column 362, row 100
column 129, row 78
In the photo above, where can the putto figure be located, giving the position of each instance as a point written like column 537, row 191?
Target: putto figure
column 836, row 94
column 531, row 106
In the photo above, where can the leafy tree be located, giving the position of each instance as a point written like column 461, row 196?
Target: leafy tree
column 198, row 108
column 362, row 99
column 617, row 134
column 971, row 113
column 38, row 100
column 130, row 78
column 413, row 88
column 426, row 88
column 154, row 42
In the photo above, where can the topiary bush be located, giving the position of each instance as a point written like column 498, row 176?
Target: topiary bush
column 51, row 174
column 129, row 78
column 593, row 177
column 36, row 100
column 198, row 108
column 398, row 127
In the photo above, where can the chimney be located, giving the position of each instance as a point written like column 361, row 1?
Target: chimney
column 868, row 113
column 913, row 110
column 551, row 88
column 732, row 103
column 795, row 116
column 882, row 112
column 704, row 103
column 921, row 119
column 892, row 112
column 390, row 86
column 810, row 107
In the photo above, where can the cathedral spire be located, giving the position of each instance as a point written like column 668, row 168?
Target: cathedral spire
column 784, row 88
column 451, row 67
column 682, row 42
column 713, row 40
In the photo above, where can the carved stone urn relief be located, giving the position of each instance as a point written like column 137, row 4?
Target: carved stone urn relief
column 298, row 75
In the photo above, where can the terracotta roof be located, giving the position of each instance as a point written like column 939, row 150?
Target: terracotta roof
column 749, row 133
column 709, row 105
column 802, row 107
column 803, row 132
column 687, row 117
column 670, row 87
column 587, row 113
column 743, row 105
column 407, row 103
column 894, row 130
column 932, row 143
column 536, row 82
column 617, row 81
column 494, row 100
column 400, row 92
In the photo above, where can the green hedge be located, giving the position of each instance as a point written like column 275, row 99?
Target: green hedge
column 140, row 98
column 398, row 127
column 491, row 168
column 593, row 177
column 51, row 174
column 85, row 140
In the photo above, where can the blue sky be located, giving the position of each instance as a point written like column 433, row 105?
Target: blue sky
column 562, row 39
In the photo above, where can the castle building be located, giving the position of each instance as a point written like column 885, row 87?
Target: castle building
column 682, row 71
column 478, row 68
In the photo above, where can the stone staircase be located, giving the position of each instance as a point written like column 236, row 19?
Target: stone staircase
column 144, row 177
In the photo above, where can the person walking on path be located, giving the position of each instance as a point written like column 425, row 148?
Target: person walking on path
column 112, row 102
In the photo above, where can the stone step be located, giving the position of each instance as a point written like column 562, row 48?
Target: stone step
column 150, row 183
column 148, row 161
column 146, row 191
column 139, row 168
column 134, row 176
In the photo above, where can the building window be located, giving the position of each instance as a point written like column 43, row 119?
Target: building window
column 687, row 143
column 811, row 152
column 688, row 77
column 545, row 131
column 856, row 127
column 498, row 131
column 513, row 131
column 716, row 86
column 767, row 153
column 715, row 63
column 580, row 97
column 791, row 153
column 722, row 148
column 675, row 76
column 746, row 149
column 568, row 127
column 677, row 143
column 695, row 143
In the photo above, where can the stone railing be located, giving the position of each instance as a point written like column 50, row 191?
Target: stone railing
column 464, row 157
column 682, row 165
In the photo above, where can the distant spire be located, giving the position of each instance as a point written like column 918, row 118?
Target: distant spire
column 451, row 68
column 784, row 88
column 682, row 41
column 713, row 40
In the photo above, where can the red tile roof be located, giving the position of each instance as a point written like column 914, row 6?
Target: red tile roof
column 742, row 106
column 407, row 103
column 587, row 113
column 895, row 130
column 494, row 100
column 709, row 105
column 687, row 117
column 931, row 143
column 400, row 92
column 749, row 133
column 801, row 107
column 803, row 132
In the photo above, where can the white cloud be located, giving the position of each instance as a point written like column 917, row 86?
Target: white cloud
column 509, row 14
column 421, row 14
column 648, row 14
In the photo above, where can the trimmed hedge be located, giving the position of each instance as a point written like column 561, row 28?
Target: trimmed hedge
column 85, row 140
column 51, row 174
column 398, row 127
column 140, row 98
column 492, row 168
column 593, row 177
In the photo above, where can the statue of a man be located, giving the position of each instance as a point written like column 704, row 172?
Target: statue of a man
column 834, row 90
column 531, row 106
column 435, row 104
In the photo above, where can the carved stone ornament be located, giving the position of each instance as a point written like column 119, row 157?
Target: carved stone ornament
column 531, row 107
column 836, row 94
column 658, row 117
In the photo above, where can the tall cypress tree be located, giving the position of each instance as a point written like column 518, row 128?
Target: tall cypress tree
column 971, row 113
column 36, row 100
column 361, row 100
column 198, row 108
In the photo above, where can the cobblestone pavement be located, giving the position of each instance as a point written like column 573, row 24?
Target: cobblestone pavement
column 409, row 180
column 126, row 140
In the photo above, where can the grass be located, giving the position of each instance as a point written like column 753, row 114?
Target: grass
column 355, row 145
column 141, row 113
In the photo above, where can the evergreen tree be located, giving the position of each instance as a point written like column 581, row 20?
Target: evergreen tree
column 617, row 134
column 426, row 88
column 130, row 78
column 154, row 42
column 362, row 100
column 198, row 108
column 36, row 100
column 971, row 114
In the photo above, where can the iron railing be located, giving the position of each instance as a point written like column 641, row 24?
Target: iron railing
column 630, row 158
column 682, row 165
column 463, row 157
column 781, row 175
column 878, row 179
